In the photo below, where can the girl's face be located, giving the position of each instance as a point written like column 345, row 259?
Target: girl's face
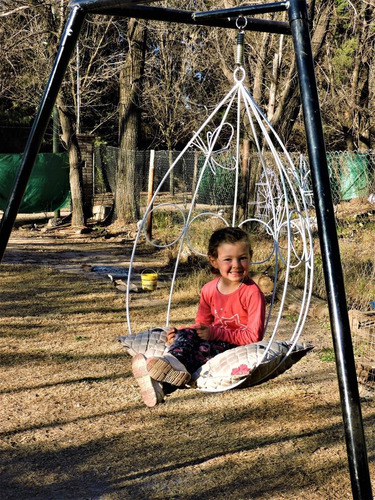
column 232, row 261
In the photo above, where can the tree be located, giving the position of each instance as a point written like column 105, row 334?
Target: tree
column 172, row 96
column 129, row 117
column 349, row 63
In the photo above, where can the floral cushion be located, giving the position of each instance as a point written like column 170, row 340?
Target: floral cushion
column 152, row 341
column 241, row 366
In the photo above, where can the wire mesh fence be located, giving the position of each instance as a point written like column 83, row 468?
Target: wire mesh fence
column 352, row 179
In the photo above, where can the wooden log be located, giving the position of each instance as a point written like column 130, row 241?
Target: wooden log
column 361, row 320
column 264, row 282
column 293, row 300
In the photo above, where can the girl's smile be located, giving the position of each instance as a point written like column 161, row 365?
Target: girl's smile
column 232, row 261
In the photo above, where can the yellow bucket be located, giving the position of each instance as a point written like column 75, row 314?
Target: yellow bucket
column 149, row 280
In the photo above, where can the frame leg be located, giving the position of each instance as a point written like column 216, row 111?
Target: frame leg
column 347, row 379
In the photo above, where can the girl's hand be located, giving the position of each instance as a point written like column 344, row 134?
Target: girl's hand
column 203, row 331
column 171, row 333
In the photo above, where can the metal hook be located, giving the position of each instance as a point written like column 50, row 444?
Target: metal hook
column 244, row 20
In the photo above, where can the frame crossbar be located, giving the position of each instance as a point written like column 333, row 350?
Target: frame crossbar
column 243, row 10
column 129, row 9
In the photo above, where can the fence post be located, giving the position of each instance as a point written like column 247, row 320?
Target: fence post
column 244, row 192
column 151, row 174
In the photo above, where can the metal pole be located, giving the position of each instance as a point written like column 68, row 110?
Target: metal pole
column 334, row 281
column 68, row 40
column 243, row 10
column 112, row 8
column 104, row 4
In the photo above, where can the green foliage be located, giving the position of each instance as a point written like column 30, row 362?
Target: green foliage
column 291, row 317
column 342, row 7
column 15, row 113
column 344, row 59
column 344, row 10
column 327, row 355
column 217, row 188
column 80, row 338
column 166, row 220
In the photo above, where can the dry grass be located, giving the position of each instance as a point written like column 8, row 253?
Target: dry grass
column 356, row 230
column 74, row 427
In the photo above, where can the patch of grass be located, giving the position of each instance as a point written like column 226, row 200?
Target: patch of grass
column 61, row 357
column 188, row 288
column 327, row 355
column 291, row 317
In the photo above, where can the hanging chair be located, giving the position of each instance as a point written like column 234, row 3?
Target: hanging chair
column 214, row 196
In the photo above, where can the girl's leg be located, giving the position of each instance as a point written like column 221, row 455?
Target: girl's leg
column 192, row 351
column 185, row 347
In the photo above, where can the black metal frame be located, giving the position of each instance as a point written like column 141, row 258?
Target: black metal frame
column 299, row 29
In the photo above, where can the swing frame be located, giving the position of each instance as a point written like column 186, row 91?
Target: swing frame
column 298, row 28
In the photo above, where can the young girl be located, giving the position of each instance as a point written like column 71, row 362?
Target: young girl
column 231, row 312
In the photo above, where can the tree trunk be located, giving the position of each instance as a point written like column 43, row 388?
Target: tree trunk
column 126, row 196
column 371, row 99
column 288, row 106
column 244, row 181
column 260, row 68
column 75, row 164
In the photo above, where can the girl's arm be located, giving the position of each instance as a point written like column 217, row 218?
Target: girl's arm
column 204, row 314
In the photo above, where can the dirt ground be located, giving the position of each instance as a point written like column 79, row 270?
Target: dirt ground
column 73, row 425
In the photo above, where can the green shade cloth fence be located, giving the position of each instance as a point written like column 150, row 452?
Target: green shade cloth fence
column 48, row 187
column 354, row 177
column 350, row 175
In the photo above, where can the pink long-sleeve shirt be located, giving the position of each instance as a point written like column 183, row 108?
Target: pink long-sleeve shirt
column 237, row 318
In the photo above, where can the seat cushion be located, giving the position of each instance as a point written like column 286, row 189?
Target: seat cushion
column 151, row 342
column 247, row 365
column 243, row 366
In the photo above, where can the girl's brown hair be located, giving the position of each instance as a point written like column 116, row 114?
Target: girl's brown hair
column 226, row 235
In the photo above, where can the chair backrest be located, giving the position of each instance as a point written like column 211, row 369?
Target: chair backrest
column 215, row 181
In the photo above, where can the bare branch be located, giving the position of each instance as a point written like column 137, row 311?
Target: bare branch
column 11, row 12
